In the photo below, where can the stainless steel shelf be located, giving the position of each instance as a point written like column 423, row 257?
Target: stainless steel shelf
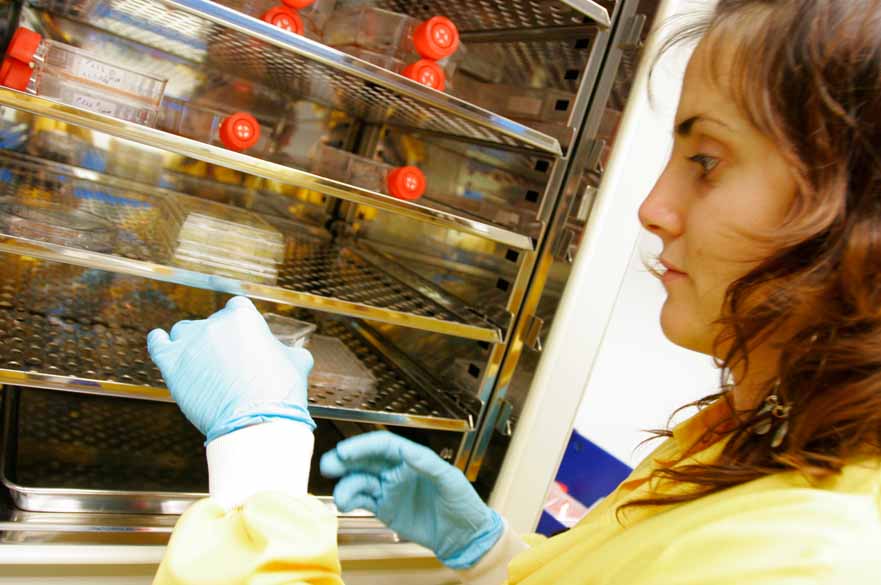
column 64, row 328
column 439, row 215
column 48, row 528
column 487, row 15
column 205, row 32
column 532, row 43
column 316, row 274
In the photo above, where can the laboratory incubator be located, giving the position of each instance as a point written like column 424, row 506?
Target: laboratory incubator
column 414, row 227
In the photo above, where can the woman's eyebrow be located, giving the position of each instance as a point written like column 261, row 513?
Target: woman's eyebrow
column 684, row 128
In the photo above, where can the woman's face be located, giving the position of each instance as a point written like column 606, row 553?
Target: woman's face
column 725, row 182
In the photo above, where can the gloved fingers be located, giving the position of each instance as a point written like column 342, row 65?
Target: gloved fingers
column 386, row 450
column 376, row 448
column 355, row 484
column 181, row 328
column 301, row 358
column 157, row 344
column 331, row 465
column 240, row 303
column 359, row 502
column 424, row 460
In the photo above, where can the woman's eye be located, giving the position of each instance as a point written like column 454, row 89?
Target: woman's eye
column 706, row 162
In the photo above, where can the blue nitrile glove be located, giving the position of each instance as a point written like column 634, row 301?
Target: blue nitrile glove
column 415, row 493
column 228, row 371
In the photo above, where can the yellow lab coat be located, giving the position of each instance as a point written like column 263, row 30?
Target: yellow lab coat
column 778, row 530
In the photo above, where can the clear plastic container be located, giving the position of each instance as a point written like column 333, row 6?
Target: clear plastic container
column 336, row 367
column 480, row 61
column 72, row 8
column 424, row 71
column 303, row 17
column 504, row 214
column 284, row 15
column 525, row 103
column 291, row 332
column 67, row 74
column 315, row 13
column 391, row 33
column 401, row 182
column 224, row 240
column 47, row 221
column 237, row 131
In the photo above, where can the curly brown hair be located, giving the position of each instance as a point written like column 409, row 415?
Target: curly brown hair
column 807, row 73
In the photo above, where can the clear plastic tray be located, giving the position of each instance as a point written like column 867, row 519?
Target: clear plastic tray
column 224, row 266
column 228, row 241
column 291, row 332
column 221, row 237
column 337, row 367
column 47, row 221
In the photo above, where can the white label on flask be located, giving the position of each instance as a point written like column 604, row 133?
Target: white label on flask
column 94, row 104
column 98, row 72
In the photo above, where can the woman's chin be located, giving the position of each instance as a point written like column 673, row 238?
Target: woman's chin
column 681, row 329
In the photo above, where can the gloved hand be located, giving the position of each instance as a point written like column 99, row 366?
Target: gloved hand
column 228, row 371
column 415, row 493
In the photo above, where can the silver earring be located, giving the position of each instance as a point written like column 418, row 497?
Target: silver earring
column 776, row 414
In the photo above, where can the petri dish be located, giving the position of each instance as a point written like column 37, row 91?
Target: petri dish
column 224, row 240
column 47, row 221
column 336, row 367
column 291, row 332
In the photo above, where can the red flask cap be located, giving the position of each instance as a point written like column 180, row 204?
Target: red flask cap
column 240, row 131
column 426, row 72
column 406, row 183
column 436, row 38
column 24, row 44
column 15, row 74
column 298, row 4
column 284, row 18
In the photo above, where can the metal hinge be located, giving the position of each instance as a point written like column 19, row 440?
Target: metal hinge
column 631, row 37
column 584, row 206
column 596, row 147
column 503, row 422
column 563, row 250
column 532, row 332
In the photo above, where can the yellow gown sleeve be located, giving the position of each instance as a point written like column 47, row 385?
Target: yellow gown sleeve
column 272, row 539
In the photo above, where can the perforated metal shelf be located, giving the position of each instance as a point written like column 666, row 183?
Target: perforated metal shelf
column 315, row 273
column 419, row 211
column 484, row 15
column 531, row 43
column 205, row 32
column 65, row 328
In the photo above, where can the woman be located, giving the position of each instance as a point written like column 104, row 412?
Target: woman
column 769, row 211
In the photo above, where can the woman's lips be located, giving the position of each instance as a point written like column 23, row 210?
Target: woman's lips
column 671, row 273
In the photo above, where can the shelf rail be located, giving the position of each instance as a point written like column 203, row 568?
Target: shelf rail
column 205, row 32
column 68, row 329
column 440, row 215
column 315, row 274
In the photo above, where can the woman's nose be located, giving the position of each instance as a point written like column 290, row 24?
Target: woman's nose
column 660, row 211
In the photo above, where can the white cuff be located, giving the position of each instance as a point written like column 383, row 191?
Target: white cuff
column 492, row 569
column 273, row 456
